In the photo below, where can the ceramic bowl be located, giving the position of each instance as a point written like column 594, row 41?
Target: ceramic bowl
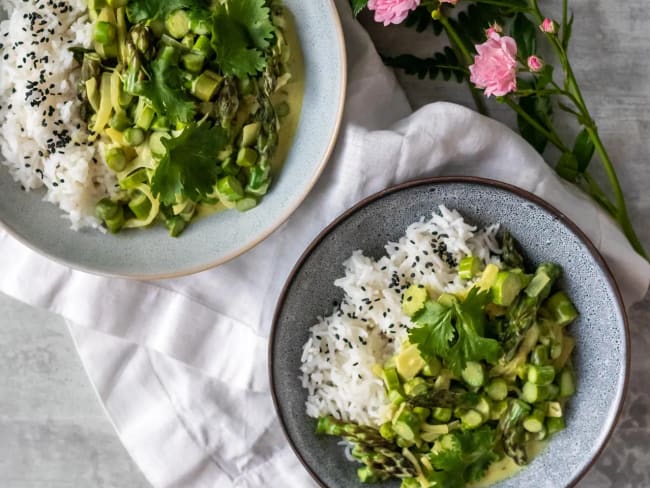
column 602, row 352
column 213, row 240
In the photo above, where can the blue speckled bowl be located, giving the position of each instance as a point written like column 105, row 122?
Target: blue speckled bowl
column 213, row 240
column 602, row 352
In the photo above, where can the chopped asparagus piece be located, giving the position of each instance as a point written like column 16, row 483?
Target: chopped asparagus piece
column 414, row 299
column 469, row 267
column 497, row 389
column 178, row 24
column 541, row 375
column 474, row 374
column 535, row 421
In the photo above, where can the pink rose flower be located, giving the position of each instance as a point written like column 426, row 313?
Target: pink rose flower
column 392, row 11
column 495, row 66
column 548, row 26
column 535, row 64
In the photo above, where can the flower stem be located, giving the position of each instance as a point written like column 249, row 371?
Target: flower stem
column 622, row 214
column 459, row 45
column 551, row 136
column 507, row 5
column 575, row 95
column 457, row 40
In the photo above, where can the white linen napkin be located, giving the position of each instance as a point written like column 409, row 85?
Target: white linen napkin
column 180, row 365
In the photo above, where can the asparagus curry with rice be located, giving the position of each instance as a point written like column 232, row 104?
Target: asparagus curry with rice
column 191, row 106
column 448, row 362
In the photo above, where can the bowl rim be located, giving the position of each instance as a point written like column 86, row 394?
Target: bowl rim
column 281, row 219
column 600, row 261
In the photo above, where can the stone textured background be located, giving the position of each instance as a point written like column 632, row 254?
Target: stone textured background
column 53, row 431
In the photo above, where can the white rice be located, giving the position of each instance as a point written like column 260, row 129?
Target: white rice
column 42, row 137
column 369, row 326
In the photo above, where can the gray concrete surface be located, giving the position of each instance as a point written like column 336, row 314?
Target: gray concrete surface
column 53, row 432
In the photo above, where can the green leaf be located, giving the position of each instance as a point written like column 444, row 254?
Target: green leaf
column 435, row 330
column 255, row 17
column 583, row 150
column 443, row 64
column 190, row 166
column 470, row 327
column 567, row 167
column 524, row 31
column 566, row 35
column 358, row 6
column 540, row 109
column 141, row 10
column 241, row 31
column 166, row 92
column 478, row 446
column 544, row 77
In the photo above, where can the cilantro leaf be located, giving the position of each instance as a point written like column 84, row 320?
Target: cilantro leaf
column 230, row 43
column 435, row 330
column 241, row 31
column 470, row 325
column 478, row 447
column 166, row 92
column 189, row 167
column 255, row 16
column 463, row 457
column 455, row 334
column 141, row 10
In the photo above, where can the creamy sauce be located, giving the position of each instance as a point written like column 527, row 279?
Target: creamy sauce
column 293, row 94
column 506, row 467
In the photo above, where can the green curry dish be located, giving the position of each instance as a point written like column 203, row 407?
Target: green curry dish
column 186, row 100
column 476, row 383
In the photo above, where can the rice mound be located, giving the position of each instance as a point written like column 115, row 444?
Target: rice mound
column 43, row 140
column 369, row 326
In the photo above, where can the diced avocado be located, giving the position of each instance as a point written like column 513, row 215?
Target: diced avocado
column 415, row 297
column 488, row 277
column 469, row 267
column 206, row 85
column 506, row 287
column 246, row 157
column 178, row 24
column 409, row 362
column 249, row 134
